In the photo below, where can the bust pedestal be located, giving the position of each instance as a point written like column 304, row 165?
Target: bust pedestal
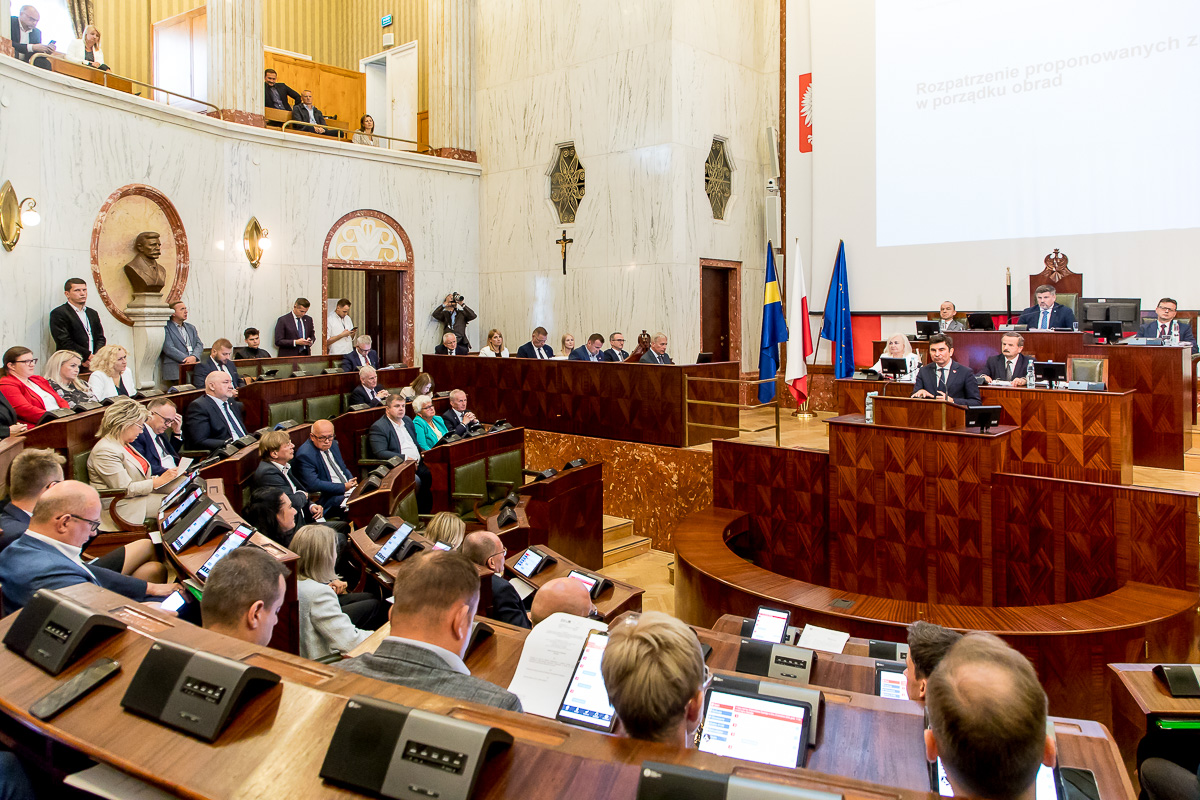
column 149, row 314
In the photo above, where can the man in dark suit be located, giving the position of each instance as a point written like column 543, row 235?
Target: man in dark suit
column 252, row 337
column 275, row 452
column 27, row 39
column 450, row 346
column 368, row 390
column 73, row 325
column 9, row 424
column 278, row 95
column 589, row 351
column 1047, row 313
column 616, row 348
column 657, row 354
column 306, row 112
column 435, row 598
column 458, row 419
column 294, row 332
column 320, row 466
column 394, row 436
column 485, row 549
column 945, row 379
column 1166, row 326
column 454, row 316
column 220, row 359
column 212, row 420
column 31, row 473
column 181, row 345
column 536, row 347
column 361, row 356
column 160, row 442
column 1010, row 364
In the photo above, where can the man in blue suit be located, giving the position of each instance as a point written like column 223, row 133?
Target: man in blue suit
column 181, row 344
column 942, row 378
column 321, row 468
column 589, row 351
column 1047, row 313
column 394, row 436
column 616, row 347
column 212, row 420
column 361, row 356
column 220, row 359
column 536, row 347
column 1166, row 325
column 160, row 440
column 47, row 555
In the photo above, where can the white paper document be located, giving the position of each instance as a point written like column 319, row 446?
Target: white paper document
column 823, row 639
column 112, row 784
column 547, row 661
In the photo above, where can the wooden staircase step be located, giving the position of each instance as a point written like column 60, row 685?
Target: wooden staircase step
column 625, row 548
column 616, row 528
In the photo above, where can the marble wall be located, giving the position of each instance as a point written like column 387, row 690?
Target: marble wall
column 70, row 145
column 641, row 87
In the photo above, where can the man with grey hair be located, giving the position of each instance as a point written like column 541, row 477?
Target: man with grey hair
column 657, row 354
column 368, row 391
column 457, row 418
column 361, row 356
column 27, row 39
column 1010, row 364
column 450, row 346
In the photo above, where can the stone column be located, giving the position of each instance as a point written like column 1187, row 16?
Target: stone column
column 149, row 314
column 452, row 45
column 235, row 59
column 6, row 45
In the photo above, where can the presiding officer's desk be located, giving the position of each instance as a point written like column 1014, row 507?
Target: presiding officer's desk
column 1139, row 700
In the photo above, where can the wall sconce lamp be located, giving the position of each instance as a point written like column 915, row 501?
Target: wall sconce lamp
column 15, row 215
column 256, row 241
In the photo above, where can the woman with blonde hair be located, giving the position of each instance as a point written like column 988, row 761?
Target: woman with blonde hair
column 111, row 375
column 62, row 373
column 568, row 344
column 495, row 345
column 331, row 620
column 87, row 49
column 447, row 529
column 115, row 464
column 898, row 347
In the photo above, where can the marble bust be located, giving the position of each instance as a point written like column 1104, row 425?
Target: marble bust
column 144, row 272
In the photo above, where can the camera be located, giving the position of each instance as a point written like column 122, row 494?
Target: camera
column 458, row 298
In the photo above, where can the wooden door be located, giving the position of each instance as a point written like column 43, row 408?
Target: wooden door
column 714, row 312
column 385, row 314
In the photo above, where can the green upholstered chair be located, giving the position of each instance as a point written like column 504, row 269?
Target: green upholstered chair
column 504, row 473
column 365, row 462
column 79, row 470
column 468, row 483
column 324, row 407
column 1093, row 370
column 288, row 409
column 405, row 507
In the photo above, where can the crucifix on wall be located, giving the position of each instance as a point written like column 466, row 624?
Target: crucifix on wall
column 562, row 243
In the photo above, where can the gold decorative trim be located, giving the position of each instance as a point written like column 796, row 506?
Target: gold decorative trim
column 10, row 217
column 567, row 184
column 718, row 178
column 252, row 241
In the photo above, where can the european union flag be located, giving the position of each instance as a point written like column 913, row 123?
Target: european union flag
column 836, row 327
column 774, row 331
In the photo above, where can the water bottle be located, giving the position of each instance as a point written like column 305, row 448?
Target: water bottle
column 869, row 407
column 1030, row 378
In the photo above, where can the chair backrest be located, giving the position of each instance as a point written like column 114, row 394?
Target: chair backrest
column 288, row 409
column 405, row 507
column 1087, row 368
column 468, row 483
column 79, row 470
column 504, row 473
column 324, row 407
column 1058, row 276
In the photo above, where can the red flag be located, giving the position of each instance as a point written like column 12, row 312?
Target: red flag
column 800, row 345
column 805, row 138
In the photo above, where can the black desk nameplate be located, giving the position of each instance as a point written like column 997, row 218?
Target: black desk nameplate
column 53, row 630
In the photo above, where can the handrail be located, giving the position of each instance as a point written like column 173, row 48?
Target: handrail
column 687, row 400
column 300, row 124
column 349, row 135
column 109, row 73
column 393, row 139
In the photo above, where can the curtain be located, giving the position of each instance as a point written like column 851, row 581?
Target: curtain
column 82, row 15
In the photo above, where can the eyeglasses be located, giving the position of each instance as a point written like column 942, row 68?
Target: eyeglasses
column 30, row 361
column 94, row 524
column 500, row 552
column 707, row 680
column 328, row 438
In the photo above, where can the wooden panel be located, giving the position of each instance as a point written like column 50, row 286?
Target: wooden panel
column 566, row 512
column 336, row 91
column 444, row 459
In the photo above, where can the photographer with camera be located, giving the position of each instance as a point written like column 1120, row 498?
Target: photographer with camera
column 454, row 314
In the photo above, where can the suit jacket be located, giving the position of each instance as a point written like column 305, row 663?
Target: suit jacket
column 8, row 416
column 13, row 520
column 35, row 37
column 459, row 328
column 650, row 358
column 27, row 405
column 269, row 475
column 69, row 334
column 207, row 366
column 429, row 433
column 417, row 668
column 362, row 394
column 144, row 444
column 454, row 423
column 506, row 604
column 246, row 352
column 614, row 355
column 1060, row 317
column 350, row 362
column 460, row 350
column 310, row 466
column 29, row 564
column 1149, row 330
column 205, row 427
column 286, row 333
column 581, row 354
column 953, row 325
column 995, row 368
column 174, row 351
column 285, row 92
column 960, row 383
column 382, row 441
column 527, row 351
column 324, row 627
column 110, row 466
column 103, row 386
column 300, row 114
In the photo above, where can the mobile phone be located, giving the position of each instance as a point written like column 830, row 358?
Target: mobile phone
column 63, row 696
column 174, row 602
column 770, row 625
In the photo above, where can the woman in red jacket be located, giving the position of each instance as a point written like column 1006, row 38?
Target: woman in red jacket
column 28, row 393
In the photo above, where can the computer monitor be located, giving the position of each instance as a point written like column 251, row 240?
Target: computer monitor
column 1107, row 331
column 983, row 417
column 704, row 358
column 1125, row 310
column 893, row 367
column 927, row 328
column 1050, row 371
column 980, row 322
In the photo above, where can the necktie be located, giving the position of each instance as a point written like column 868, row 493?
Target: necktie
column 541, row 354
column 1162, row 331
column 1008, row 372
column 1045, row 319
column 235, row 429
column 335, row 472
column 941, row 384
column 662, row 359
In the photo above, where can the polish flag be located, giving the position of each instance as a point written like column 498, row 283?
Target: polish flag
column 800, row 345
column 805, row 138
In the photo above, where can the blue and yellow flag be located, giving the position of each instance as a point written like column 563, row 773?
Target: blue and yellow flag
column 774, row 331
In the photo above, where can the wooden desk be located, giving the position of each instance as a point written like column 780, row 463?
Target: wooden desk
column 1138, row 701
column 566, row 513
column 443, row 460
column 236, row 472
column 629, row 402
column 258, row 397
column 10, row 448
column 617, row 599
column 399, row 482
column 92, row 75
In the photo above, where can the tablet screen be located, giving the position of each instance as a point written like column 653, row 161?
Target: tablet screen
column 198, row 525
column 770, row 625
column 586, row 580
column 891, row 683
column 440, row 546
column 758, row 729
column 1044, row 784
column 232, row 542
column 183, row 486
column 528, row 562
column 393, row 543
column 182, row 508
column 586, row 701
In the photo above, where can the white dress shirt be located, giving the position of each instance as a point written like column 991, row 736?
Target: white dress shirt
column 87, row 325
column 50, row 401
column 337, row 325
column 166, row 459
column 408, row 448
column 286, row 469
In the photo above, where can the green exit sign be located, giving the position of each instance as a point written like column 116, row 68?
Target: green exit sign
column 386, row 21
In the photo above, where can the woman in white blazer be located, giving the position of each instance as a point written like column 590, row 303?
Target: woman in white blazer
column 114, row 464
column 87, row 50
column 330, row 619
column 111, row 375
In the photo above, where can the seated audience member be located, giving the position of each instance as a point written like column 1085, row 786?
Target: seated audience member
column 214, row 419
column 220, row 359
column 898, row 347
column 306, row 112
column 294, row 332
column 111, row 374
column 946, row 318
column 656, row 678
column 9, row 425
column 435, row 598
column 457, row 418
column 566, row 347
column 1047, row 313
column 446, row 528
column 422, row 384
column 87, row 50
column 341, row 330
column 927, row 646
column 616, row 347
column 273, row 513
column 332, row 620
column 361, row 356
column 1163, row 779
column 987, row 720
column 30, row 395
column 278, row 95
column 1166, row 325
column 161, row 441
column 494, row 348
column 62, row 373
column 321, row 468
column 47, row 555
column 181, row 345
column 366, row 132
column 27, row 39
column 14, row 783
column 657, row 354
column 945, row 379
column 485, row 549
column 1010, row 364
column 562, row 596
column 429, row 426
column 450, row 346
column 115, row 464
column 393, row 435
column 589, row 351
column 368, row 390
column 252, row 337
column 243, row 595
column 73, row 325
column 536, row 347
column 274, row 470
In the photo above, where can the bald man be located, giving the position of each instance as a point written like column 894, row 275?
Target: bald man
column 486, row 550
column 47, row 555
column 562, row 595
column 216, row 418
column 321, row 468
